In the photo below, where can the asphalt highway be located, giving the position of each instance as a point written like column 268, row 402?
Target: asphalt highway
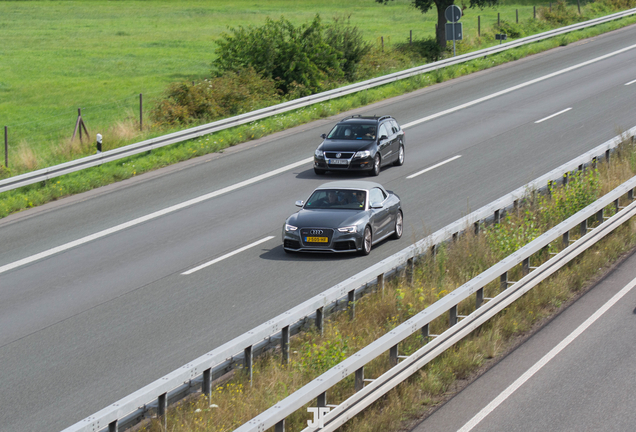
column 85, row 324
column 575, row 374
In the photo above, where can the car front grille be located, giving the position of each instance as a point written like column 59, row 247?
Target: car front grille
column 322, row 233
column 334, row 155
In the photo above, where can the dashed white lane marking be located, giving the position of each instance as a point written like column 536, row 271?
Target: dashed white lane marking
column 434, row 166
column 150, row 216
column 214, row 261
column 553, row 115
column 549, row 356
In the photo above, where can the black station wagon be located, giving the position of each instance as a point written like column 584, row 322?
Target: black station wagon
column 361, row 144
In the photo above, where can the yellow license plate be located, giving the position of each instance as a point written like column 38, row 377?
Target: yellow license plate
column 316, row 240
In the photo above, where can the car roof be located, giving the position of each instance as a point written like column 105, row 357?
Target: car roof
column 366, row 119
column 350, row 184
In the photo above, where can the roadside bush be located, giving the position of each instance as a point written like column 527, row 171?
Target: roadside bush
column 232, row 93
column 347, row 40
column 421, row 49
column 560, row 15
column 292, row 56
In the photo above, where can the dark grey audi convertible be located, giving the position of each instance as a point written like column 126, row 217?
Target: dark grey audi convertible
column 344, row 216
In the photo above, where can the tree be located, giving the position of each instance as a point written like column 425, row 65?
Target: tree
column 441, row 5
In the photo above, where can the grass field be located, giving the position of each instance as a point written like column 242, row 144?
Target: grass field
column 58, row 56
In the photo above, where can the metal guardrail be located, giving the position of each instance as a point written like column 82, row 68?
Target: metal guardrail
column 154, row 143
column 202, row 370
column 366, row 395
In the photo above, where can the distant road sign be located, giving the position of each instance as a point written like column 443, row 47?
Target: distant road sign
column 453, row 13
column 454, row 31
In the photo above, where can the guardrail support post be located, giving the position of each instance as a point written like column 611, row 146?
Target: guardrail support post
column 393, row 355
column 410, row 270
column 599, row 216
column 206, row 387
column 320, row 320
column 525, row 266
column 479, row 298
column 452, row 316
column 162, row 407
column 425, row 333
column 477, row 228
column 351, row 298
column 322, row 400
column 284, row 344
column 381, row 283
column 581, row 167
column 280, row 426
column 515, row 206
column 566, row 239
column 113, row 426
column 247, row 362
column 583, row 228
column 434, row 251
column 455, row 235
column 360, row 379
column 607, row 155
column 503, row 281
column 594, row 161
column 497, row 216
column 616, row 206
column 630, row 194
column 565, row 178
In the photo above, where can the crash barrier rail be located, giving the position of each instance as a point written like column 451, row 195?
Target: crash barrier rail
column 335, row 416
column 200, row 373
column 154, row 143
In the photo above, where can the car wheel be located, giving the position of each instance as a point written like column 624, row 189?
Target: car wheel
column 400, row 159
column 399, row 225
column 367, row 241
column 375, row 171
column 319, row 171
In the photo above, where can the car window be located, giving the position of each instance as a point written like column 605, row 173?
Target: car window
column 336, row 199
column 395, row 125
column 342, row 132
column 383, row 130
column 376, row 195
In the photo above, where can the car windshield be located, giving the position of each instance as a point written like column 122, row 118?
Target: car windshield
column 353, row 132
column 346, row 199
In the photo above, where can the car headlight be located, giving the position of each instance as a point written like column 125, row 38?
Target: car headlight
column 362, row 154
column 319, row 153
column 289, row 227
column 349, row 229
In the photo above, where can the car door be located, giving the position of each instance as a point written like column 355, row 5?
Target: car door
column 395, row 144
column 384, row 143
column 381, row 217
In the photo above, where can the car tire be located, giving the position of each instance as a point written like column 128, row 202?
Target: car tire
column 367, row 241
column 377, row 162
column 400, row 160
column 399, row 225
column 319, row 171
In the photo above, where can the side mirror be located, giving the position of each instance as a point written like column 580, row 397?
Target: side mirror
column 300, row 203
column 383, row 137
column 323, row 136
column 376, row 205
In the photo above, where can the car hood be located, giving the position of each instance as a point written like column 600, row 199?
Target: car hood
column 325, row 218
column 345, row 145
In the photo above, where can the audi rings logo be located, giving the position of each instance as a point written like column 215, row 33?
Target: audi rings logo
column 338, row 155
column 316, row 232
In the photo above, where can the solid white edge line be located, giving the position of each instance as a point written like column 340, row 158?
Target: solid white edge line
column 631, row 82
column 434, row 166
column 553, row 115
column 549, row 356
column 517, row 87
column 214, row 261
column 150, row 216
